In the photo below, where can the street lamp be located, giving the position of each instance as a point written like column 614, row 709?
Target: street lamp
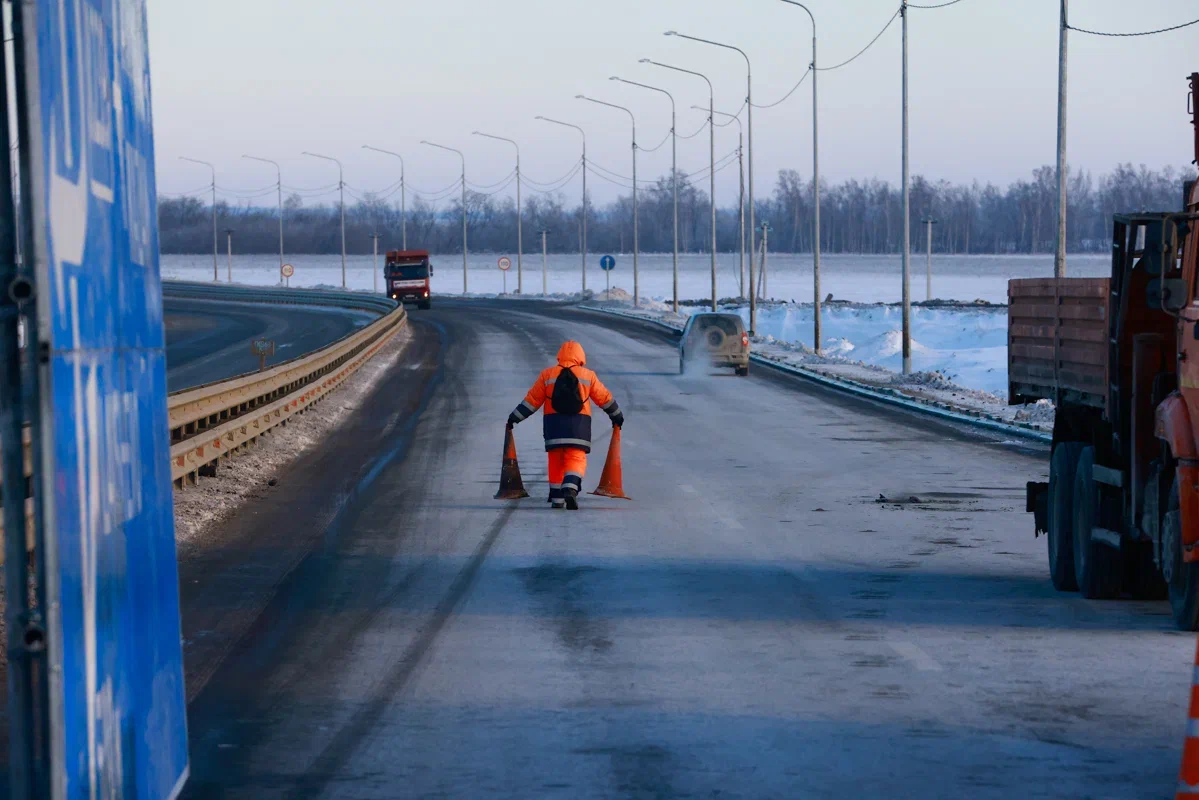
column 279, row 185
column 463, row 157
column 519, row 240
column 674, row 179
column 341, row 185
column 229, row 240
column 584, row 135
column 815, row 185
column 740, row 184
column 403, row 192
column 636, row 295
column 749, row 103
column 214, row 237
column 711, row 158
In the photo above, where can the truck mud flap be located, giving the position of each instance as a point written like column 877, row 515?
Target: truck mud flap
column 1036, row 502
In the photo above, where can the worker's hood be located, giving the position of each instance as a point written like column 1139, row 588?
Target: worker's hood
column 571, row 354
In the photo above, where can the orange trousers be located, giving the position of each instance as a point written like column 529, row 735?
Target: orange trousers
column 567, row 466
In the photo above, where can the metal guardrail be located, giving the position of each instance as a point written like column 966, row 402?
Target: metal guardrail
column 211, row 422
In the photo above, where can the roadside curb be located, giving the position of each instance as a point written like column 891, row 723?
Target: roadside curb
column 890, row 396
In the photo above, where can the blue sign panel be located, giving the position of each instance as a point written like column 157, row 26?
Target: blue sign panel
column 607, row 263
column 118, row 711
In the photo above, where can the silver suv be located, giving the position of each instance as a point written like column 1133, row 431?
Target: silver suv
column 717, row 338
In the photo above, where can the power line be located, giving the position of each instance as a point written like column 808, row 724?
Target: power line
column 550, row 189
column 505, row 180
column 207, row 188
column 803, row 78
column 570, row 173
column 1138, row 33
column 698, row 132
column 938, row 5
column 665, row 139
column 453, row 185
column 864, row 49
column 509, row 182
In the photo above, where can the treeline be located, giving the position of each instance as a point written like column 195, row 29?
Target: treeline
column 856, row 217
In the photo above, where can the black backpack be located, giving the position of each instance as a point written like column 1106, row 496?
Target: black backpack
column 566, row 398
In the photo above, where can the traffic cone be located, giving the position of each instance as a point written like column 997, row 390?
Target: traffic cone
column 511, row 486
column 1188, row 773
column 612, row 478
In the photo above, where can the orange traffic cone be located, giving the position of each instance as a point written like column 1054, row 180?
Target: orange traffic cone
column 612, row 478
column 511, row 486
column 1188, row 773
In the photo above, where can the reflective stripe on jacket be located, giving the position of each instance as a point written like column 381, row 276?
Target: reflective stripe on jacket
column 567, row 430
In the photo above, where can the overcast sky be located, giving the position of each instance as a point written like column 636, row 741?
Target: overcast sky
column 275, row 77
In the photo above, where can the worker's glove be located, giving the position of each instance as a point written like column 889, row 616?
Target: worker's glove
column 513, row 419
column 618, row 419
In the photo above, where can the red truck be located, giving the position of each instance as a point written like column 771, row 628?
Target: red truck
column 407, row 274
column 1119, row 357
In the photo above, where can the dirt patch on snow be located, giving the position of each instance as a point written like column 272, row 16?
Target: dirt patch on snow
column 248, row 475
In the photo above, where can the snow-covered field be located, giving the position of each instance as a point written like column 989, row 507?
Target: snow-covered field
column 866, row 279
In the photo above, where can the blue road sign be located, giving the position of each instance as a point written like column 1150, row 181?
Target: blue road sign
column 607, row 263
column 118, row 712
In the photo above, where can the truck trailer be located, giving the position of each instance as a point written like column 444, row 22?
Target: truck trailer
column 1119, row 358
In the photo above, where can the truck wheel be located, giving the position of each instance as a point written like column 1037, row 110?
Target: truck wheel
column 1061, row 515
column 742, row 371
column 1096, row 565
column 1183, row 577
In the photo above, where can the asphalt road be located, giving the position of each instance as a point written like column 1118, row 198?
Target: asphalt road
column 754, row 623
column 210, row 341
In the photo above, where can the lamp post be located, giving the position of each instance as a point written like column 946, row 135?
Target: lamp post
column 636, row 290
column 749, row 103
column 544, row 263
column 279, row 174
column 214, row 236
column 584, row 221
column 929, row 222
column 375, row 262
column 741, row 184
column 1059, row 250
column 463, row 157
column 815, row 186
column 674, row 180
column 520, row 281
column 711, row 161
column 403, row 193
column 907, row 208
column 341, row 186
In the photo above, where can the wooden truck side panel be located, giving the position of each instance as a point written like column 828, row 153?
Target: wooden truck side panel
column 1058, row 340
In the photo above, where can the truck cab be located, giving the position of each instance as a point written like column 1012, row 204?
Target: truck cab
column 407, row 277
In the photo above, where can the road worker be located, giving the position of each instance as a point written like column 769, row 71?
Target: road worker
column 566, row 390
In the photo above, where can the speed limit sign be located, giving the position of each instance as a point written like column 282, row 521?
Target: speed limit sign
column 505, row 263
column 287, row 270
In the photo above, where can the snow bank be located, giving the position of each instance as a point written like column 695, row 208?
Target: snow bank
column 965, row 343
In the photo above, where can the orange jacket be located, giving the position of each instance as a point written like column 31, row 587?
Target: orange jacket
column 567, row 430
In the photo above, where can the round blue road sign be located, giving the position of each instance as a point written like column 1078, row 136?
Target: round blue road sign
column 607, row 263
